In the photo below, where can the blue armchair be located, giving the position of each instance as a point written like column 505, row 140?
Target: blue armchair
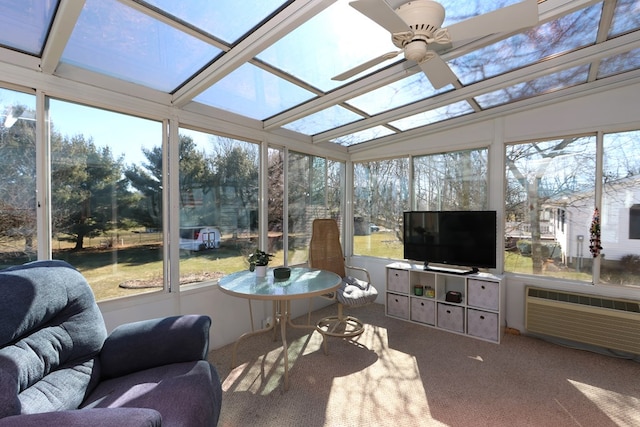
column 58, row 366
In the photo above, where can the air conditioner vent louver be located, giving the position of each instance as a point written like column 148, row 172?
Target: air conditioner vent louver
column 590, row 300
column 609, row 323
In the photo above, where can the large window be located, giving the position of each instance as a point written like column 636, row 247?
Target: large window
column 275, row 201
column 18, row 233
column 451, row 181
column 380, row 196
column 106, row 180
column 218, row 205
column 314, row 190
column 620, row 217
column 549, row 206
column 109, row 192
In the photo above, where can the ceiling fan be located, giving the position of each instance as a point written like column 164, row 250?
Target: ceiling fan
column 415, row 25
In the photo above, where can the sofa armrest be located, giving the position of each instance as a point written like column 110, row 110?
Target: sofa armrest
column 146, row 344
column 99, row 417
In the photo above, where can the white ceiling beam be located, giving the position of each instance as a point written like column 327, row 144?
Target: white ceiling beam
column 92, row 78
column 14, row 57
column 64, row 22
column 282, row 24
column 606, row 20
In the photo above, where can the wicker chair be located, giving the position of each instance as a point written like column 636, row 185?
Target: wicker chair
column 325, row 253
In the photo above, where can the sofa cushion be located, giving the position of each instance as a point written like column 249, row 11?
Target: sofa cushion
column 185, row 394
column 149, row 343
column 51, row 333
column 120, row 417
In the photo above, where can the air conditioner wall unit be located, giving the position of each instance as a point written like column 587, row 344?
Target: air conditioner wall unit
column 609, row 323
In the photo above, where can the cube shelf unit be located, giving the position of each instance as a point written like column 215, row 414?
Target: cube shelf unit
column 479, row 314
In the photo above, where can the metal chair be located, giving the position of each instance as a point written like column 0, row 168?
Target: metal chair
column 325, row 253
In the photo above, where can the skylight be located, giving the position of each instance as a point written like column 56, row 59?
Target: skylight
column 254, row 92
column 559, row 36
column 228, row 20
column 323, row 120
column 626, row 17
column 274, row 60
column 396, row 94
column 433, row 116
column 134, row 47
column 619, row 63
column 24, row 27
column 363, row 135
column 545, row 84
column 331, row 42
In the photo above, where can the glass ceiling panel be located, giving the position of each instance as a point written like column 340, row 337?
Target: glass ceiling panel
column 460, row 10
column 545, row 84
column 324, row 120
column 619, row 63
column 225, row 19
column 568, row 33
column 363, row 135
column 335, row 40
column 342, row 38
column 433, row 116
column 130, row 45
column 397, row 94
column 625, row 18
column 24, row 24
column 254, row 92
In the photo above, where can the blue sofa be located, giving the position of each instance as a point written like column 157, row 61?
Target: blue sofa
column 59, row 367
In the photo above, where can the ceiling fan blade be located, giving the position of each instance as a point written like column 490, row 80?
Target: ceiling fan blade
column 438, row 72
column 510, row 18
column 382, row 14
column 365, row 66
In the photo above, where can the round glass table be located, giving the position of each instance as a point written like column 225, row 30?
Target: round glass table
column 303, row 283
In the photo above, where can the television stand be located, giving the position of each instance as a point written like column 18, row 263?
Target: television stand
column 419, row 296
column 450, row 270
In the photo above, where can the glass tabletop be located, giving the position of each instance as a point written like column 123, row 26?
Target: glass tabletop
column 303, row 283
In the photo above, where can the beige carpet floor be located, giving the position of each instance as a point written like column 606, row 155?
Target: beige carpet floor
column 402, row 374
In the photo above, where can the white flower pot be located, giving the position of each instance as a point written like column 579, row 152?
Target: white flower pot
column 261, row 270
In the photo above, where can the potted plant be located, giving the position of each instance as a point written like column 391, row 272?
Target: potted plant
column 258, row 261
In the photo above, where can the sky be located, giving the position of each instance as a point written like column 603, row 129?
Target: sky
column 125, row 135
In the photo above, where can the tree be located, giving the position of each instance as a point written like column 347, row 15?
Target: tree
column 545, row 171
column 88, row 189
column 208, row 183
column 146, row 179
column 275, row 178
column 195, row 184
column 380, row 191
column 235, row 179
column 17, row 188
column 451, row 181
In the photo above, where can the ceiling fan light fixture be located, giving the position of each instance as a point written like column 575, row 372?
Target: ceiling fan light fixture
column 416, row 50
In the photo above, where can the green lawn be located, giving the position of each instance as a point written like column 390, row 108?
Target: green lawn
column 381, row 244
column 514, row 262
column 138, row 257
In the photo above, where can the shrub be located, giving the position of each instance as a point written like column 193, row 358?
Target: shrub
column 630, row 263
column 548, row 249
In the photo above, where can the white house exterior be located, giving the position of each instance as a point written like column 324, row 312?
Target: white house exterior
column 573, row 217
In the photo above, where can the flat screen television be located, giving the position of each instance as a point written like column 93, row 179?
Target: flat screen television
column 458, row 238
